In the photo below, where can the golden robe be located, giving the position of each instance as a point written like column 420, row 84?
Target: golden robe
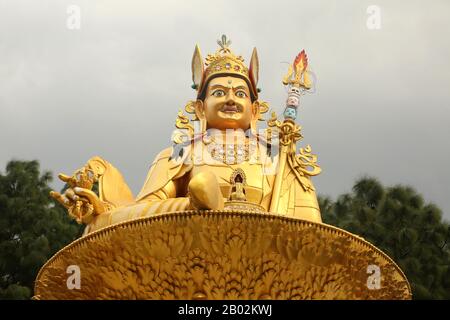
column 165, row 188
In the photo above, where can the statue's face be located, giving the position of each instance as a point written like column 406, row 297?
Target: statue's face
column 227, row 104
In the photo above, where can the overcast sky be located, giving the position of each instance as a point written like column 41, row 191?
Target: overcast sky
column 113, row 87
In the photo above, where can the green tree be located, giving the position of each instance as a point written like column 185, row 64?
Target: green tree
column 397, row 221
column 32, row 227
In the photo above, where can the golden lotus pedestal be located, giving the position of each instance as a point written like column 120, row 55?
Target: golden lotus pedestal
column 221, row 255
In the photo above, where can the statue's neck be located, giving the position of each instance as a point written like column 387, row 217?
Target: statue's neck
column 226, row 135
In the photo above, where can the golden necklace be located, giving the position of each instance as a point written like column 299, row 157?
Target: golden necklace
column 230, row 153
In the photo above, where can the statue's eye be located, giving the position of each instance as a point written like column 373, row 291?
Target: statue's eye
column 241, row 94
column 218, row 93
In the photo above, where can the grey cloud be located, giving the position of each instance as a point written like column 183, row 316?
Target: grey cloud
column 114, row 87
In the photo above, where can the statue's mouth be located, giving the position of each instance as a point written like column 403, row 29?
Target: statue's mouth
column 230, row 108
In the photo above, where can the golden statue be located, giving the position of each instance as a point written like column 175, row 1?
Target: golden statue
column 227, row 212
column 227, row 110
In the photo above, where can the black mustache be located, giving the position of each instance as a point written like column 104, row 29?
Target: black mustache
column 233, row 106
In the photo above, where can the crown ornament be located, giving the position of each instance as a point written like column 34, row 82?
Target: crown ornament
column 223, row 63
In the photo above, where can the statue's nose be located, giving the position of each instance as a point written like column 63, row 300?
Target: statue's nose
column 230, row 97
column 230, row 102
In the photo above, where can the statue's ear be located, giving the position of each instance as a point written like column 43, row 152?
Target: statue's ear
column 254, row 67
column 197, row 67
column 199, row 109
column 200, row 113
column 255, row 116
column 256, row 109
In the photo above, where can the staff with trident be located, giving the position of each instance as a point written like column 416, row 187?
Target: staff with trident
column 298, row 81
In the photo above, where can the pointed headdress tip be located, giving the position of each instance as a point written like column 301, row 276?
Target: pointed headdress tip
column 254, row 67
column 197, row 68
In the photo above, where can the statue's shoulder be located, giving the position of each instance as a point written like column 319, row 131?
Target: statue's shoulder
column 168, row 165
column 162, row 157
column 172, row 157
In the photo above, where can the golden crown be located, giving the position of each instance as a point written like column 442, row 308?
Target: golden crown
column 223, row 62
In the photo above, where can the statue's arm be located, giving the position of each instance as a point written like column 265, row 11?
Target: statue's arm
column 170, row 197
column 298, row 195
column 297, row 202
column 82, row 202
column 112, row 187
column 169, row 187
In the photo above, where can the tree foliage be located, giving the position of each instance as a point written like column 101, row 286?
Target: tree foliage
column 32, row 227
column 396, row 220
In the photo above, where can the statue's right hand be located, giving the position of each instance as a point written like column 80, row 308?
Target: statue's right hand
column 204, row 192
column 82, row 204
